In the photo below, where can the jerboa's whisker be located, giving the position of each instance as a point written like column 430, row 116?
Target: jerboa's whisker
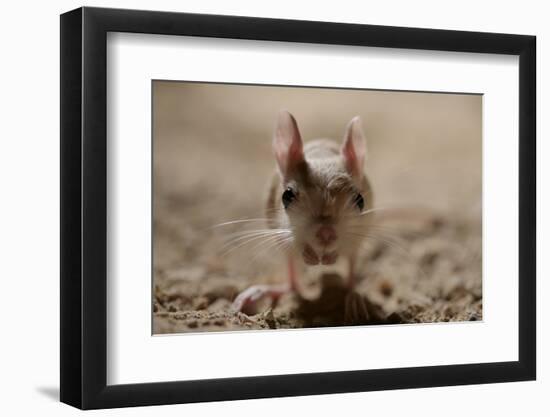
column 244, row 240
column 253, row 234
column 240, row 221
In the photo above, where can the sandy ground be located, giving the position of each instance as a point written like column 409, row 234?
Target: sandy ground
column 212, row 161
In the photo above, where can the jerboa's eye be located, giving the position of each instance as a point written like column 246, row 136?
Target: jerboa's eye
column 359, row 201
column 288, row 197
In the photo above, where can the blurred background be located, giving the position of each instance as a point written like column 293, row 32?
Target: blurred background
column 213, row 161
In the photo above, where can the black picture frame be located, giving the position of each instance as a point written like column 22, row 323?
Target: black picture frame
column 84, row 207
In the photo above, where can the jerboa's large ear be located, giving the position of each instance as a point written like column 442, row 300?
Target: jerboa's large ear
column 287, row 144
column 354, row 148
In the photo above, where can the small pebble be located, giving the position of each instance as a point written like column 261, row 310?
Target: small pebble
column 386, row 288
column 201, row 303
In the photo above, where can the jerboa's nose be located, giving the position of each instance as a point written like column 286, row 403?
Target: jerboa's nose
column 326, row 234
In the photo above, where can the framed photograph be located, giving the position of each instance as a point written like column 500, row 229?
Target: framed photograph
column 258, row 208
